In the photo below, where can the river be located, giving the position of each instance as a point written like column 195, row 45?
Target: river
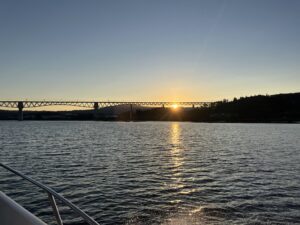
column 164, row 173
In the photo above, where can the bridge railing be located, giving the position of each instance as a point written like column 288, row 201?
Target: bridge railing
column 52, row 195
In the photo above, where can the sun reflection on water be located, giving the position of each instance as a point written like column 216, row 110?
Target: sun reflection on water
column 176, row 159
column 175, row 137
column 176, row 146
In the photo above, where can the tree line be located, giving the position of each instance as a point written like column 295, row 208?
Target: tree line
column 260, row 108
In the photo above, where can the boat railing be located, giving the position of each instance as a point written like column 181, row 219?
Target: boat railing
column 52, row 195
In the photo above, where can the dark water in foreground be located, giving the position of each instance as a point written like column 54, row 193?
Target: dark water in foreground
column 157, row 173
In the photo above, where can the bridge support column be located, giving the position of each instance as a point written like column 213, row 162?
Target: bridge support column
column 96, row 107
column 131, row 113
column 20, row 107
column 163, row 106
column 193, row 106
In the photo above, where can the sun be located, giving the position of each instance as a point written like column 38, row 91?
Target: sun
column 174, row 106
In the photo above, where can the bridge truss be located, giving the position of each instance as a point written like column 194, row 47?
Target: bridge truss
column 20, row 105
column 94, row 105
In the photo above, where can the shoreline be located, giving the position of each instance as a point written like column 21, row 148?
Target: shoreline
column 138, row 121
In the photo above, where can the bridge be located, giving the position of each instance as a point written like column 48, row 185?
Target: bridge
column 20, row 105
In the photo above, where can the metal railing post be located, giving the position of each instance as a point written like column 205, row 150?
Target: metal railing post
column 55, row 209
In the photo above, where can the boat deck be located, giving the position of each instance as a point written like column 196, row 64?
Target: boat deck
column 11, row 213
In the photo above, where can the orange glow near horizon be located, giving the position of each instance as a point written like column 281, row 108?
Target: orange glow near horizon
column 175, row 106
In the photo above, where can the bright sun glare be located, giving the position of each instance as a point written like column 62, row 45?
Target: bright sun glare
column 174, row 106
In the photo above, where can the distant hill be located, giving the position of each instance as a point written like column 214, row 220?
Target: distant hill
column 118, row 109
column 264, row 108
column 106, row 113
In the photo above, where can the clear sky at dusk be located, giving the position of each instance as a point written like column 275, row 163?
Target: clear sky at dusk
column 148, row 50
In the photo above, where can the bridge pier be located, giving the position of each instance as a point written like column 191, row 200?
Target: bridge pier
column 193, row 106
column 131, row 113
column 20, row 107
column 96, row 107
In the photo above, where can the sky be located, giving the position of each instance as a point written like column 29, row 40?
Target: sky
column 154, row 50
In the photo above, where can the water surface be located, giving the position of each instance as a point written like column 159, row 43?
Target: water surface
column 166, row 173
